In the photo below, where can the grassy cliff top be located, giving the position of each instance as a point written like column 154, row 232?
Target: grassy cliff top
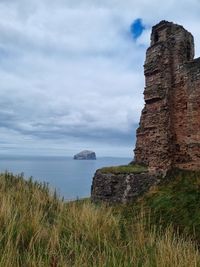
column 125, row 169
column 39, row 229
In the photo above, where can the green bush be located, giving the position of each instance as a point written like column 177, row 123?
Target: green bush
column 176, row 202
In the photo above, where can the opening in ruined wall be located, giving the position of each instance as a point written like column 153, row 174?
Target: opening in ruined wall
column 152, row 100
column 188, row 51
column 156, row 37
column 186, row 105
column 177, row 147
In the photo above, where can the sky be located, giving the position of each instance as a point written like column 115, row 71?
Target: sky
column 71, row 72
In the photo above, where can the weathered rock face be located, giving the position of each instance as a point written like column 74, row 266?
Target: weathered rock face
column 169, row 132
column 121, row 188
column 86, row 154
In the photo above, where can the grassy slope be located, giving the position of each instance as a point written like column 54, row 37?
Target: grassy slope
column 177, row 202
column 38, row 229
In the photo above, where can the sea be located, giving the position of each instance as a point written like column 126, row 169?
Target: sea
column 70, row 178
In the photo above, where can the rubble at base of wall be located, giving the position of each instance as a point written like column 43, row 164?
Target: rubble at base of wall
column 121, row 188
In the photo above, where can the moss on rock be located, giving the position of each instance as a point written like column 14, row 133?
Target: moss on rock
column 125, row 169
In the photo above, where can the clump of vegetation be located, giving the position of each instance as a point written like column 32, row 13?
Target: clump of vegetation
column 38, row 229
column 131, row 168
column 176, row 202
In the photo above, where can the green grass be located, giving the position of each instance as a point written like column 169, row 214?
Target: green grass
column 132, row 168
column 176, row 202
column 38, row 229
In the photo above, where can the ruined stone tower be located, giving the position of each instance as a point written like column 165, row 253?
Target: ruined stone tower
column 169, row 131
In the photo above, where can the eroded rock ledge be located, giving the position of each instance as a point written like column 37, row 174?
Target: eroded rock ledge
column 120, row 184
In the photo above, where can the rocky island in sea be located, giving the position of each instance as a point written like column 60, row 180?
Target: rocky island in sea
column 85, row 154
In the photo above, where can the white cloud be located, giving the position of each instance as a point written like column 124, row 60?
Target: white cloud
column 71, row 74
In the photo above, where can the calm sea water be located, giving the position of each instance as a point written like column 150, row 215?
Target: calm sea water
column 71, row 178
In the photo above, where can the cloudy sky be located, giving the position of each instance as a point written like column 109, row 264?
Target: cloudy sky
column 71, row 72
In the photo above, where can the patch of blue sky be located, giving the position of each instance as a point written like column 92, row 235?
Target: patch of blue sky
column 137, row 28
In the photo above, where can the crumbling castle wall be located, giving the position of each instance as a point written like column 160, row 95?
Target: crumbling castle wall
column 169, row 131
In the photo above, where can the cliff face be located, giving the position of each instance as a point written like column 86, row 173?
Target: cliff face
column 169, row 131
column 124, row 188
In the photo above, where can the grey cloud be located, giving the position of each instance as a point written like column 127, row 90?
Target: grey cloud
column 70, row 74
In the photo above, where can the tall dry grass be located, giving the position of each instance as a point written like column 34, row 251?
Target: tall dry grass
column 39, row 230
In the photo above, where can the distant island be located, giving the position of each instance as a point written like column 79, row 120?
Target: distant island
column 85, row 155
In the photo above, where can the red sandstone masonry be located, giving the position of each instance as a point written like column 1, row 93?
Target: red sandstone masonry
column 169, row 131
